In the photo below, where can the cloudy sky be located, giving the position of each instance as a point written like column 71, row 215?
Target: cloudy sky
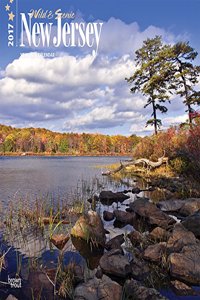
column 76, row 91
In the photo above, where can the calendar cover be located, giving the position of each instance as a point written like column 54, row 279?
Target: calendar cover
column 99, row 149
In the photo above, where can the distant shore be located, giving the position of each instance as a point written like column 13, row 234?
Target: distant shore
column 21, row 154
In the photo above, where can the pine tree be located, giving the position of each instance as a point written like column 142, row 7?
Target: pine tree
column 185, row 74
column 152, row 77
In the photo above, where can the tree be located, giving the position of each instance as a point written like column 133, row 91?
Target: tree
column 151, row 77
column 185, row 74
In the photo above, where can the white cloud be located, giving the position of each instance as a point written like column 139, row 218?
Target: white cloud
column 80, row 92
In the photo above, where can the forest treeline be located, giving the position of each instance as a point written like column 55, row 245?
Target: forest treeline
column 43, row 141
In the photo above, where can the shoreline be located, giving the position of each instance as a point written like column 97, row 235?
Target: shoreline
column 14, row 154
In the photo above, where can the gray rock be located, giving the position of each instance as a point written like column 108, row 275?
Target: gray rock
column 171, row 205
column 134, row 290
column 108, row 216
column 186, row 264
column 152, row 214
column 124, row 217
column 192, row 223
column 97, row 289
column 179, row 238
column 139, row 268
column 184, row 207
column 11, row 297
column 115, row 243
column 108, row 197
column 114, row 263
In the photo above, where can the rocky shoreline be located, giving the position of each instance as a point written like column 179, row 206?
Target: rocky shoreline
column 159, row 240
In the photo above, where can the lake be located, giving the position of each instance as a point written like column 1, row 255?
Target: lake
column 61, row 177
column 25, row 179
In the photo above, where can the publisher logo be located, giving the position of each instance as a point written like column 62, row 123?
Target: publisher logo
column 15, row 283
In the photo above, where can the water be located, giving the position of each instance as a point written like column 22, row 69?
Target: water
column 28, row 178
column 58, row 176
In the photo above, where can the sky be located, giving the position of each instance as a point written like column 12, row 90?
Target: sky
column 68, row 89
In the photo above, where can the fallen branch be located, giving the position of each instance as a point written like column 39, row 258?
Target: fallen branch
column 144, row 161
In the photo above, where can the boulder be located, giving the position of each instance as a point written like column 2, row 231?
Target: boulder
column 89, row 227
column 11, row 297
column 77, row 272
column 114, row 263
column 136, row 190
column 124, row 217
column 184, row 207
column 108, row 197
column 182, row 289
column 135, row 290
column 179, row 238
column 155, row 253
column 192, row 223
column 96, row 289
column 139, row 268
column 186, row 264
column 190, row 206
column 152, row 214
column 91, row 255
column 59, row 240
column 115, row 243
column 108, row 216
column 172, row 206
column 159, row 234
column 135, row 237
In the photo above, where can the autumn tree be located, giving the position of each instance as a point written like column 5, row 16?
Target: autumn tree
column 151, row 78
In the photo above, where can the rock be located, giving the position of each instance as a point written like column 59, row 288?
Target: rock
column 186, row 264
column 184, row 207
column 59, row 240
column 139, row 268
column 32, row 288
column 77, row 272
column 115, row 243
column 90, row 228
column 182, row 289
column 179, row 238
column 108, row 216
column 114, row 263
column 11, row 297
column 155, row 253
column 152, row 214
column 192, row 223
column 136, row 190
column 190, row 207
column 135, row 290
column 91, row 255
column 171, row 205
column 159, row 233
column 124, row 217
column 108, row 197
column 99, row 273
column 135, row 237
column 96, row 289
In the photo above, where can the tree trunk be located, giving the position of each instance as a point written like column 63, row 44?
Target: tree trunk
column 154, row 117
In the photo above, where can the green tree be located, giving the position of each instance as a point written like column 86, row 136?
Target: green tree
column 151, row 77
column 185, row 73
